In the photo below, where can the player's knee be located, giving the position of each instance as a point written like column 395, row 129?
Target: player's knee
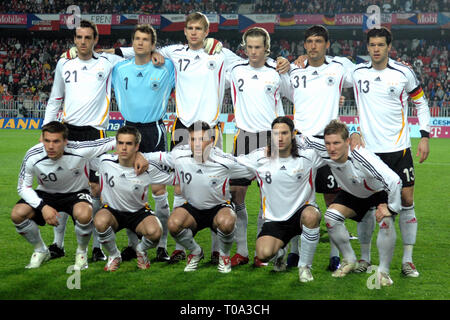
column 264, row 253
column 18, row 215
column 310, row 217
column 153, row 232
column 226, row 222
column 174, row 224
column 101, row 221
column 82, row 212
column 407, row 201
column 158, row 190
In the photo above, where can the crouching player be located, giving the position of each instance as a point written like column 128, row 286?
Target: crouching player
column 124, row 197
column 61, row 169
column 365, row 182
column 203, row 172
column 285, row 174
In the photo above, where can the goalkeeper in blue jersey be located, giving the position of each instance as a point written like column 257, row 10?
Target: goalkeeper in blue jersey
column 142, row 92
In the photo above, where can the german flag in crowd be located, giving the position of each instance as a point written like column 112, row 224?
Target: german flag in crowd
column 287, row 19
column 329, row 19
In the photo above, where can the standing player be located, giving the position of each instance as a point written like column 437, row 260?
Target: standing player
column 84, row 85
column 124, row 195
column 60, row 167
column 316, row 91
column 285, row 175
column 382, row 87
column 365, row 181
column 203, row 172
column 142, row 92
column 256, row 91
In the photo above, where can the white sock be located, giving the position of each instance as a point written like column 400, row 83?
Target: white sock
column 133, row 239
column 308, row 244
column 294, row 245
column 240, row 235
column 186, row 239
column 408, row 229
column 30, row 231
column 145, row 244
column 280, row 253
column 178, row 200
column 60, row 230
column 386, row 243
column 339, row 234
column 225, row 242
column 366, row 228
column 96, row 205
column 215, row 242
column 83, row 233
column 108, row 241
column 162, row 211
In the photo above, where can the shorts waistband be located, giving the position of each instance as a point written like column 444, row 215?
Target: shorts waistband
column 141, row 124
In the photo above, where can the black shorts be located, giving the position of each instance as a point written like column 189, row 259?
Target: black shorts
column 129, row 220
column 204, row 218
column 61, row 202
column 86, row 133
column 360, row 205
column 325, row 181
column 401, row 163
column 284, row 230
column 180, row 134
column 154, row 135
column 244, row 143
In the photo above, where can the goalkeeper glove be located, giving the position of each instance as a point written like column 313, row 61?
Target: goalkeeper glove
column 212, row 46
column 70, row 54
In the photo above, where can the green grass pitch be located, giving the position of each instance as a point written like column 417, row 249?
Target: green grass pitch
column 169, row 282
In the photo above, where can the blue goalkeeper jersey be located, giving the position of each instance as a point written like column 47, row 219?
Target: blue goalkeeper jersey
column 142, row 91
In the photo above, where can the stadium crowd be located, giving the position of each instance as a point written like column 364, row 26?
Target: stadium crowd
column 222, row 6
column 27, row 65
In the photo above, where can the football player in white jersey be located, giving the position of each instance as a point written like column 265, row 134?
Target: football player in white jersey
column 382, row 87
column 61, row 170
column 316, row 90
column 286, row 174
column 203, row 173
column 83, row 83
column 256, row 91
column 124, row 195
column 365, row 181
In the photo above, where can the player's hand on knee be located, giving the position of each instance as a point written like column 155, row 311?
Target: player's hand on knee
column 283, row 65
column 70, row 54
column 212, row 46
column 50, row 215
column 382, row 212
column 157, row 58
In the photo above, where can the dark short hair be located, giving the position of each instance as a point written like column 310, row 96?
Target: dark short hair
column 318, row 31
column 288, row 121
column 380, row 32
column 87, row 24
column 337, row 127
column 200, row 125
column 56, row 127
column 145, row 28
column 130, row 130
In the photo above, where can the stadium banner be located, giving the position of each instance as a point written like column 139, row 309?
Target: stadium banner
column 124, row 19
column 286, row 19
column 266, row 21
column 103, row 22
column 308, row 19
column 440, row 127
column 13, row 19
column 172, row 22
column 43, row 22
column 151, row 19
column 213, row 22
column 228, row 20
column 444, row 20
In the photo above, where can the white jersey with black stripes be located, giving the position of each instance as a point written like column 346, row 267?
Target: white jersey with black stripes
column 67, row 174
column 382, row 101
column 203, row 185
column 122, row 189
column 84, row 86
column 363, row 174
column 256, row 94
